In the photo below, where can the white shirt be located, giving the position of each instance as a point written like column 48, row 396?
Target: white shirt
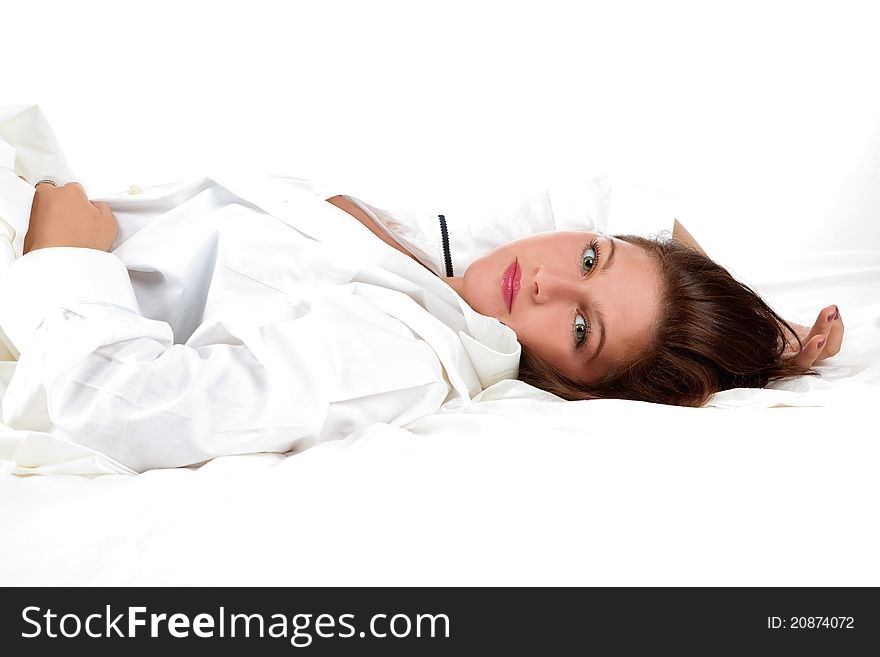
column 240, row 314
column 231, row 317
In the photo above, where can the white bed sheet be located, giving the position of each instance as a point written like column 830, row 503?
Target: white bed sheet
column 770, row 487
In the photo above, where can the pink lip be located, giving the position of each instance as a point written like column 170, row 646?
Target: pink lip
column 510, row 284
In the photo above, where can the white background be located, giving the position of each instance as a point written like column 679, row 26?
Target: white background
column 763, row 119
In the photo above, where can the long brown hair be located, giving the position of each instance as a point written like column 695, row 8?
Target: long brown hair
column 712, row 333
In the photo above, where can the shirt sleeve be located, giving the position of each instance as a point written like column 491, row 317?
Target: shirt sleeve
column 50, row 278
column 264, row 374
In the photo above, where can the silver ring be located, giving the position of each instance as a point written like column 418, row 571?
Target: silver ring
column 48, row 181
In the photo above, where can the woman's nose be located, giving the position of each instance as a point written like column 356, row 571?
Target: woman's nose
column 550, row 284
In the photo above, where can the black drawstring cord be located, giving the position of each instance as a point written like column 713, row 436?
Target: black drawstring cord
column 447, row 257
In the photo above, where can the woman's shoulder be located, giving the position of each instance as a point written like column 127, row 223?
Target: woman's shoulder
column 356, row 211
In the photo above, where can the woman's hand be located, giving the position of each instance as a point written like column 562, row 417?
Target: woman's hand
column 819, row 342
column 64, row 216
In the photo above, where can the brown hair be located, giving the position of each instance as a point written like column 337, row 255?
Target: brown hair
column 712, row 333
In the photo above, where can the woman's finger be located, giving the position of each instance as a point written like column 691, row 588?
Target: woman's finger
column 109, row 225
column 76, row 186
column 835, row 336
column 811, row 351
column 823, row 323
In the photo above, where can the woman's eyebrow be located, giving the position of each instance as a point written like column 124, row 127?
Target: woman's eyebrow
column 597, row 309
column 600, row 320
column 610, row 259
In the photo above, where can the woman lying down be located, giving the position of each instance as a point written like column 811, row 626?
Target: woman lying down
column 218, row 318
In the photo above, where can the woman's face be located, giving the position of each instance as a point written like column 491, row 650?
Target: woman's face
column 582, row 302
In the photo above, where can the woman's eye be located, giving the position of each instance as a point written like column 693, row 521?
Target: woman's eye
column 580, row 329
column 588, row 260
